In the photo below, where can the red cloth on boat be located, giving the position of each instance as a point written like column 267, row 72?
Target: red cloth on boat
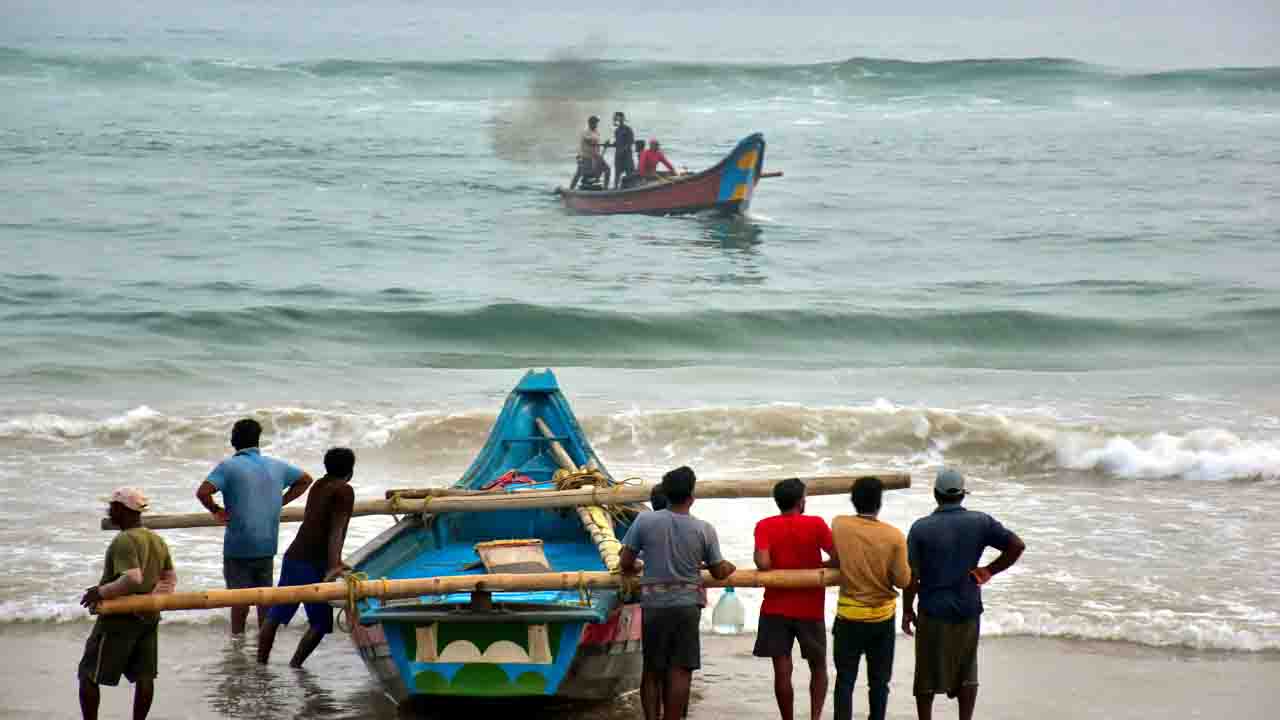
column 649, row 160
column 511, row 477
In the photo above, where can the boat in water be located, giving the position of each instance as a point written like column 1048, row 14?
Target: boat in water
column 724, row 189
column 574, row 644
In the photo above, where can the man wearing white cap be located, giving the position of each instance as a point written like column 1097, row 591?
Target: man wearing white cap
column 944, row 549
column 137, row 563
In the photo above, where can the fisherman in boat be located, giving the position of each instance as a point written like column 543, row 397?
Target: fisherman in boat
column 591, row 164
column 676, row 545
column 623, row 137
column 651, row 158
column 315, row 555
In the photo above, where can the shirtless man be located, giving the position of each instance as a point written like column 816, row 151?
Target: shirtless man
column 315, row 555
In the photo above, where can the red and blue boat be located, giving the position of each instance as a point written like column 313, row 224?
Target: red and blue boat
column 578, row 644
column 724, row 189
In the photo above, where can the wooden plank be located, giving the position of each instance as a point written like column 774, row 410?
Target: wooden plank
column 443, row 585
column 539, row 499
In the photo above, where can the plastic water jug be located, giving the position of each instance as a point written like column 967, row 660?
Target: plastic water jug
column 729, row 615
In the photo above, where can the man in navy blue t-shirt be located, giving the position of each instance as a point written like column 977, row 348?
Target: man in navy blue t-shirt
column 944, row 549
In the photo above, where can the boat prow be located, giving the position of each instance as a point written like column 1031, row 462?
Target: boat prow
column 582, row 644
column 726, row 188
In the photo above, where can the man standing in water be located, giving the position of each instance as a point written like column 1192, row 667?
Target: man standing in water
column 137, row 563
column 251, row 484
column 944, row 549
column 792, row 540
column 315, row 555
column 872, row 556
column 675, row 545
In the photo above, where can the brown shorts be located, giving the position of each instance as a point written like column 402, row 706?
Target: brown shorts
column 120, row 645
column 777, row 634
column 946, row 656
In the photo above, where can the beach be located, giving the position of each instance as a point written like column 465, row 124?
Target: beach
column 207, row 675
column 1021, row 245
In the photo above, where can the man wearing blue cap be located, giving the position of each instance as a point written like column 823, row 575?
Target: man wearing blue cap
column 943, row 549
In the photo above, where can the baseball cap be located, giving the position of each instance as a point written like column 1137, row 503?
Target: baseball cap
column 130, row 497
column 949, row 482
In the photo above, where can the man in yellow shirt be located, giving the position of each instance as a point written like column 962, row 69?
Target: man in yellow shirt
column 872, row 557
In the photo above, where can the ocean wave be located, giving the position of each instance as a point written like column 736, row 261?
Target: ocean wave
column 775, row 435
column 868, row 72
column 518, row 334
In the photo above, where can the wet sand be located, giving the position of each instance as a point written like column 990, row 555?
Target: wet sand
column 205, row 675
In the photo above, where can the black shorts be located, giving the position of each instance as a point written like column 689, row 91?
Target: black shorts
column 777, row 634
column 248, row 572
column 623, row 163
column 670, row 638
column 120, row 645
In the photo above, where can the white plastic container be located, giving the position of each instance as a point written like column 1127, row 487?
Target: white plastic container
column 729, row 616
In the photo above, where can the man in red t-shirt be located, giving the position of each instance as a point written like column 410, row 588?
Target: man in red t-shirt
column 792, row 540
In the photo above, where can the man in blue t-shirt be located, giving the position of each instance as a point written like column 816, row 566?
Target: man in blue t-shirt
column 254, row 487
column 943, row 549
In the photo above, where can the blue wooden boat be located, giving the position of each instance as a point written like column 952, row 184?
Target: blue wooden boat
column 566, row 644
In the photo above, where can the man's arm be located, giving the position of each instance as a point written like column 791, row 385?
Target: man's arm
column 338, row 531
column 205, row 494
column 763, row 561
column 629, row 561
column 663, row 159
column 909, row 592
column 909, row 606
column 716, row 564
column 296, row 490
column 167, row 583
column 1013, row 550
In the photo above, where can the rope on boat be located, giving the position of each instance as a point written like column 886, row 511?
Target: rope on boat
column 351, row 612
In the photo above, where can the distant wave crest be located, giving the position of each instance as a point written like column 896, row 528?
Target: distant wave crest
column 870, row 73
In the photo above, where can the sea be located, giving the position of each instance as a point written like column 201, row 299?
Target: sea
column 1027, row 248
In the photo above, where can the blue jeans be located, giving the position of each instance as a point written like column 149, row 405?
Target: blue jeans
column 850, row 641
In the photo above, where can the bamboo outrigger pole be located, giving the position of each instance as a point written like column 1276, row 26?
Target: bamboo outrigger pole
column 531, row 499
column 442, row 585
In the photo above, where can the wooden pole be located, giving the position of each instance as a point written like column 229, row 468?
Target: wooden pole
column 442, row 585
column 536, row 499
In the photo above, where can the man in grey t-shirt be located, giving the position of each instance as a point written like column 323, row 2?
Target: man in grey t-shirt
column 676, row 547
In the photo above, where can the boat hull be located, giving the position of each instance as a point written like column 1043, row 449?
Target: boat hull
column 592, row 661
column 725, row 189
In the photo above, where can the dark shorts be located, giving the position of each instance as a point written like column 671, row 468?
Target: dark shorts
column 624, row 163
column 120, row 645
column 670, row 638
column 319, row 615
column 946, row 655
column 248, row 572
column 777, row 634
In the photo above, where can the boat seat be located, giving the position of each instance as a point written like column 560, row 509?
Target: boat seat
column 513, row 556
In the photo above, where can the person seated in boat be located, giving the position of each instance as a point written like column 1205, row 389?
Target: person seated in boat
column 315, row 555
column 651, row 158
column 591, row 164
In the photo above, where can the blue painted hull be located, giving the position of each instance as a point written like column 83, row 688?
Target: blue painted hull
column 555, row 643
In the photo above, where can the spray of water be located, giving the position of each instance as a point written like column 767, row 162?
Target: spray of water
column 543, row 126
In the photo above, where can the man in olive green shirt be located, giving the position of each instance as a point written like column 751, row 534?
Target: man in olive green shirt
column 137, row 563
